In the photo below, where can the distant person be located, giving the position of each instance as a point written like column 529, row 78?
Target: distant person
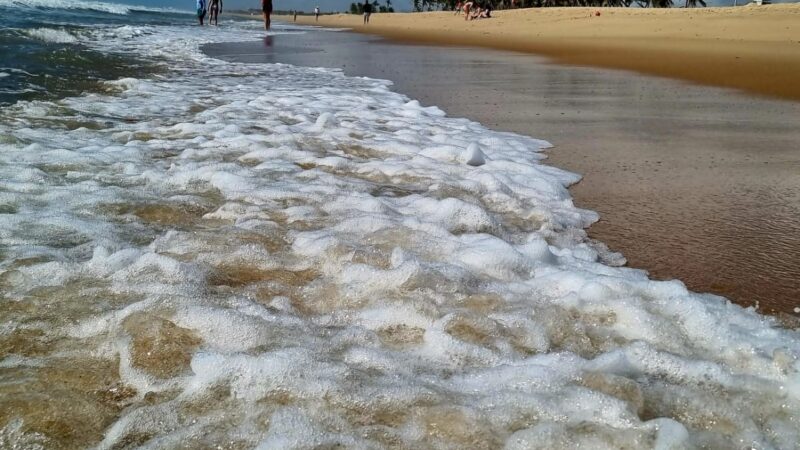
column 476, row 12
column 201, row 11
column 486, row 13
column 214, row 8
column 367, row 11
column 467, row 8
column 458, row 9
column 295, row 15
column 316, row 13
column 266, row 8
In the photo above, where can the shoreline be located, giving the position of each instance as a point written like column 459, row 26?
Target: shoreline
column 755, row 49
column 687, row 206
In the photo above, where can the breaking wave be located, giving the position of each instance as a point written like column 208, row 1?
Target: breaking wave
column 110, row 8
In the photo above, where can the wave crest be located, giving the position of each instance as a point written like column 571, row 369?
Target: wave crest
column 51, row 35
column 111, row 8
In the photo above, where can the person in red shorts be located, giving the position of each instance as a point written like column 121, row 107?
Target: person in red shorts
column 266, row 8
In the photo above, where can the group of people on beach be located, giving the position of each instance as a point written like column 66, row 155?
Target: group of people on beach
column 474, row 10
column 214, row 7
column 266, row 9
column 213, row 10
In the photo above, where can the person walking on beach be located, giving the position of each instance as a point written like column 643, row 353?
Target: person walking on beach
column 201, row 11
column 316, row 13
column 214, row 8
column 367, row 11
column 295, row 15
column 266, row 8
column 467, row 7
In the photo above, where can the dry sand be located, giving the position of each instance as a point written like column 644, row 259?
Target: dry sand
column 755, row 48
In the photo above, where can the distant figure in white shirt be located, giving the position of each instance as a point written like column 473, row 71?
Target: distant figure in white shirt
column 316, row 13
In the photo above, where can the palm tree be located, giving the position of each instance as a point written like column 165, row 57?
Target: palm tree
column 422, row 5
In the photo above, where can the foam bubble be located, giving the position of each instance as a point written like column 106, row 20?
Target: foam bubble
column 473, row 155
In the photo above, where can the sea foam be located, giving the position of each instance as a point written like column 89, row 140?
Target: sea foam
column 52, row 35
column 106, row 7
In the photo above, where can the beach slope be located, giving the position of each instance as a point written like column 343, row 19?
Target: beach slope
column 754, row 48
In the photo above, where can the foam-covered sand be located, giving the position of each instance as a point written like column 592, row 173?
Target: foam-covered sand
column 272, row 256
column 752, row 48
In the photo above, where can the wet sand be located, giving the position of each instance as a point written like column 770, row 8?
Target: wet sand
column 691, row 182
column 752, row 48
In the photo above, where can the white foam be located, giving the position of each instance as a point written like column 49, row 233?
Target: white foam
column 15, row 70
column 111, row 8
column 51, row 35
column 473, row 155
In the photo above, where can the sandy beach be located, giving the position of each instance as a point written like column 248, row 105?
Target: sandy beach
column 752, row 48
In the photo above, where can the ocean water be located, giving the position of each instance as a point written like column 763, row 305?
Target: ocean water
column 43, row 53
column 199, row 254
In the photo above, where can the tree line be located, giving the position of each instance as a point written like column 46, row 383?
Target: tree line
column 358, row 8
column 449, row 5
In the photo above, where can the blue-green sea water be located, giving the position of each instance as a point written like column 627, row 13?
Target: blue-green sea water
column 42, row 54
